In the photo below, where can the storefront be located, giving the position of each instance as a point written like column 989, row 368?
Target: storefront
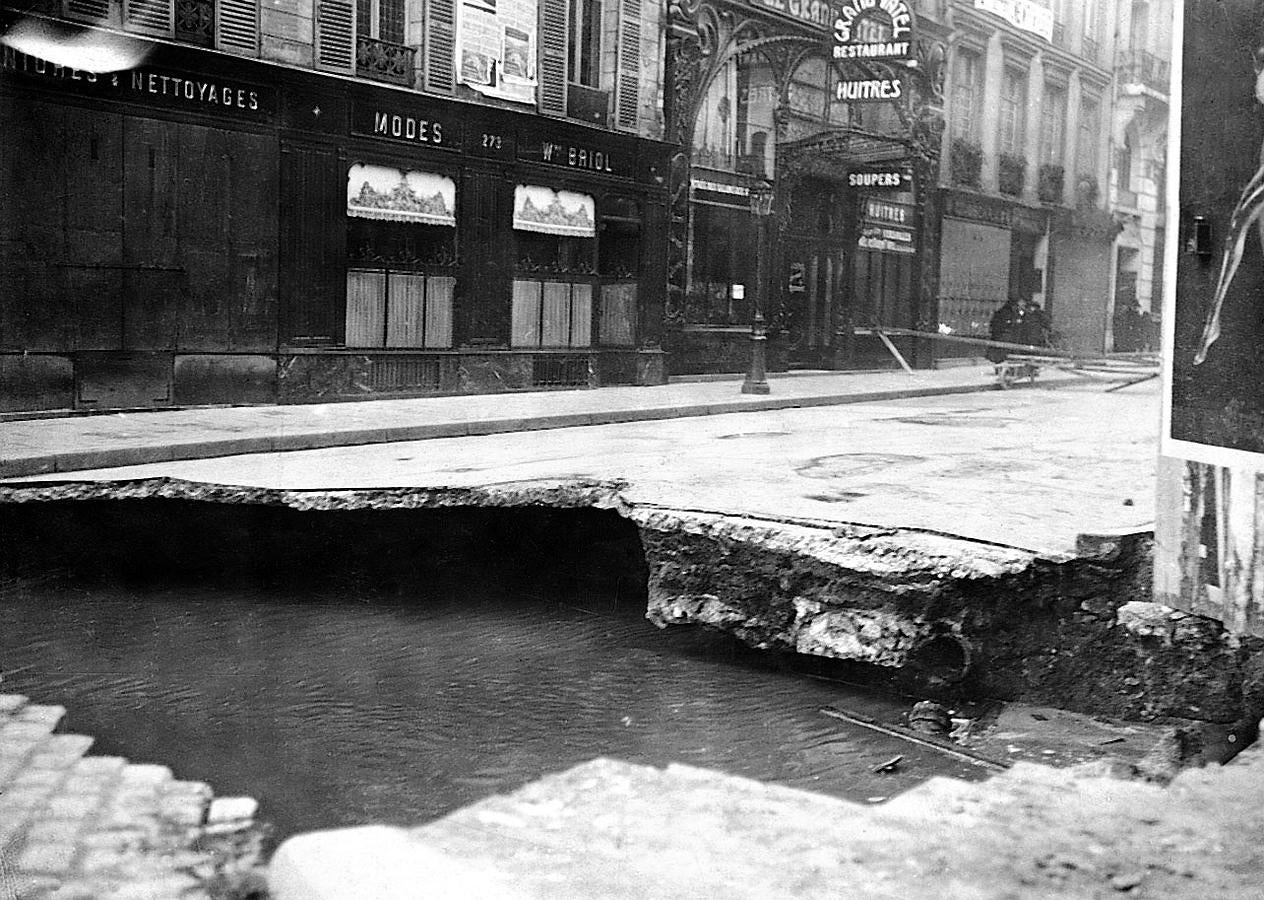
column 836, row 108
column 993, row 250
column 302, row 238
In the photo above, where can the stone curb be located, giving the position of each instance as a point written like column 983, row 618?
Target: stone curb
column 81, row 460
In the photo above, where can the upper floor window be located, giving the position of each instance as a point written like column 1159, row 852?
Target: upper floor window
column 380, row 19
column 1013, row 112
column 967, row 91
column 1053, row 125
column 1086, row 151
column 584, row 53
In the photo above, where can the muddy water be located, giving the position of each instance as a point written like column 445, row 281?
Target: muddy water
column 343, row 707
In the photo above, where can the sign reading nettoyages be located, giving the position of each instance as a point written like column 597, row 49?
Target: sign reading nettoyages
column 873, row 29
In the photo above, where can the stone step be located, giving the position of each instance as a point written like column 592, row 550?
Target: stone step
column 10, row 704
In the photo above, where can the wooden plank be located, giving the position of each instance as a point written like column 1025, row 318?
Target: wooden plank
column 555, row 329
column 439, row 292
column 366, row 308
column 581, row 314
column 525, row 320
column 406, row 323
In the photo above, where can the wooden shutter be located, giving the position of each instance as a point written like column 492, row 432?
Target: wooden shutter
column 554, row 41
column 237, row 26
column 440, row 46
column 157, row 17
column 336, row 36
column 628, row 86
column 98, row 12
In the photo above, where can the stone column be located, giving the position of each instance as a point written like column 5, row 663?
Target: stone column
column 1071, row 140
column 1035, row 107
column 989, row 126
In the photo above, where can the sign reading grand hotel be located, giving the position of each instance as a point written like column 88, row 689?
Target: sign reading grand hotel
column 1022, row 14
column 873, row 29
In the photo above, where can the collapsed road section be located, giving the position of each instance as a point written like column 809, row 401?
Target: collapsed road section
column 949, row 616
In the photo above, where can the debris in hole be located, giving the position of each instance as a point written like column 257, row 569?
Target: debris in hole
column 890, row 765
column 930, row 717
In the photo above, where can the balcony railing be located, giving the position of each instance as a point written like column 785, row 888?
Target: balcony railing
column 195, row 22
column 1089, row 49
column 1140, row 67
column 384, row 61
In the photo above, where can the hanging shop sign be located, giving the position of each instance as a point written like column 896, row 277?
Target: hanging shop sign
column 544, row 210
column 886, row 239
column 887, row 212
column 408, row 126
column 1022, row 14
column 893, row 178
column 495, row 48
column 869, row 90
column 873, row 29
column 818, row 13
column 391, row 195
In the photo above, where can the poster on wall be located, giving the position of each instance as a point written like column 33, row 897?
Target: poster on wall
column 1213, row 407
column 495, row 48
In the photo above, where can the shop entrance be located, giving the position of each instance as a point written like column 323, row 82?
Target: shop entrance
column 814, row 280
column 813, row 251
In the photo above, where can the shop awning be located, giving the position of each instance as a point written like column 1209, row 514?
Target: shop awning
column 392, row 195
column 548, row 211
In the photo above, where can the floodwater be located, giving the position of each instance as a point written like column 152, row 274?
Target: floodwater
column 344, row 705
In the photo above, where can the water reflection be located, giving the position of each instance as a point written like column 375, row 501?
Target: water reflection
column 341, row 708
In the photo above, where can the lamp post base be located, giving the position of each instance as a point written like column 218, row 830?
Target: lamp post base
column 757, row 376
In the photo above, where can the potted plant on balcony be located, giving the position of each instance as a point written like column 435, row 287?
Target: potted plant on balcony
column 1049, row 183
column 965, row 162
column 1010, row 174
column 1086, row 191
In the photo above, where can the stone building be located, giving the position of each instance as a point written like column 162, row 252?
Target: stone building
column 1027, row 164
column 252, row 202
column 1143, row 74
column 804, row 185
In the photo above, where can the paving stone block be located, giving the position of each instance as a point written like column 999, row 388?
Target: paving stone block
column 115, row 840
column 57, row 831
column 10, row 766
column 31, row 887
column 230, row 809
column 147, row 774
column 60, row 751
column 170, row 887
column 76, row 890
column 39, row 714
column 183, row 809
column 46, row 779
column 47, row 859
column 11, row 703
column 16, row 732
column 72, row 806
column 100, row 766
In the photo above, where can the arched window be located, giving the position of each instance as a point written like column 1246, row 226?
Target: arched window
column 736, row 118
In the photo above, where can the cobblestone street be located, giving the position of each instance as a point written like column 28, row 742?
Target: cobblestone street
column 81, row 827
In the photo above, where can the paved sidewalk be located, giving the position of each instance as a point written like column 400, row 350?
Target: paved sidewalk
column 42, row 446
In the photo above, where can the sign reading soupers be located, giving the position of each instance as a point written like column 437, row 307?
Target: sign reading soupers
column 873, row 29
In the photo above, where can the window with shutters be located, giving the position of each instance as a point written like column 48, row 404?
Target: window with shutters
column 380, row 49
column 439, row 46
column 1053, row 125
column 335, row 35
column 967, row 94
column 584, row 51
column 1013, row 112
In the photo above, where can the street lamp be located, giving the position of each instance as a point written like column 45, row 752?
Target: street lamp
column 761, row 197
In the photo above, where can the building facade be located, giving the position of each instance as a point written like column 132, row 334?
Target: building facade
column 318, row 199
column 1027, row 165
column 1143, row 74
column 804, row 185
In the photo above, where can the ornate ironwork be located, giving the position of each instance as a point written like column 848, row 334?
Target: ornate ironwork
column 384, row 60
column 704, row 35
column 195, row 22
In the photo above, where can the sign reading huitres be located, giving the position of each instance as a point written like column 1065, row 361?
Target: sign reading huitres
column 873, row 29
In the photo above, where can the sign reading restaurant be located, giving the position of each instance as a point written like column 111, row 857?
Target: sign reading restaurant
column 873, row 29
